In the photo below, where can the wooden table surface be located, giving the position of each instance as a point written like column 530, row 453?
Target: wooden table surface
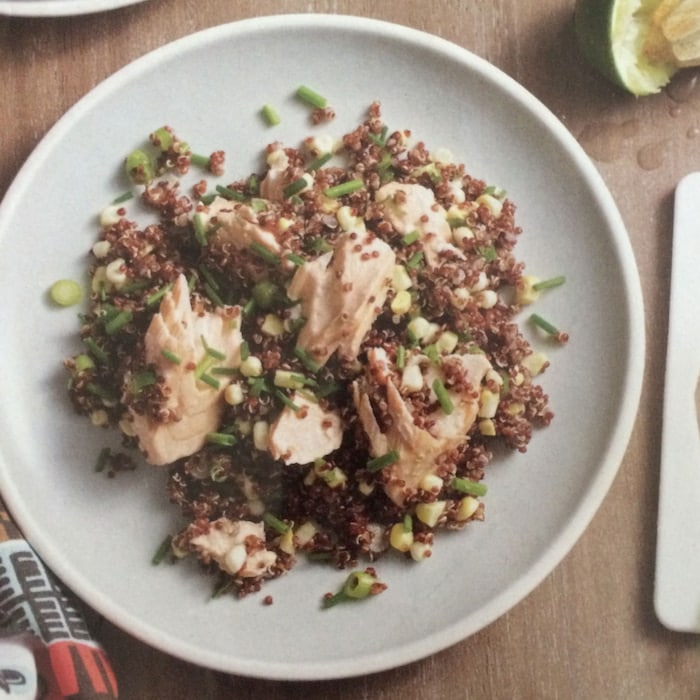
column 589, row 630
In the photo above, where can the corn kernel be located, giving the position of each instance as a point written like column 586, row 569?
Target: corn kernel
column 126, row 425
column 272, row 325
column 400, row 538
column 110, row 215
column 101, row 248
column 488, row 403
column 251, row 367
column 261, row 429
column 365, row 487
column 447, row 342
column 99, row 418
column 493, row 204
column 244, row 427
column 115, row 272
column 348, row 221
column 524, row 292
column 400, row 279
column 233, row 394
column 431, row 482
column 423, row 329
column 401, row 303
column 535, row 363
column 420, row 551
column 429, row 513
column 487, row 299
column 287, row 542
column 516, row 408
column 461, row 234
column 412, row 379
column 487, row 427
column 467, row 507
column 305, row 533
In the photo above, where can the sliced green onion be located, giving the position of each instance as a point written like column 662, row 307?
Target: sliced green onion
column 549, row 284
column 432, row 353
column 171, row 356
column 117, row 322
column 357, row 586
column 488, row 253
column 294, row 187
column 473, row 488
column 101, row 357
column 306, row 360
column 156, row 296
column 83, row 362
column 378, row 463
column 270, row 115
column 275, row 523
column 319, row 162
column 264, row 253
column 163, row 549
column 212, row 352
column 209, row 277
column 213, row 295
column 344, row 188
column 544, row 324
column 66, row 292
column 223, row 439
column 228, row 193
column 443, row 396
column 380, row 139
column 311, row 97
column 139, row 167
column 411, row 237
column 224, row 371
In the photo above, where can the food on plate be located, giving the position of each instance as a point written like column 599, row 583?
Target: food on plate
column 323, row 355
column 639, row 44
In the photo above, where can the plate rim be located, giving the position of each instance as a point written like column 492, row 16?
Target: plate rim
column 611, row 456
column 60, row 8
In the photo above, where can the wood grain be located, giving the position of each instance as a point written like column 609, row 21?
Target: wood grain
column 588, row 631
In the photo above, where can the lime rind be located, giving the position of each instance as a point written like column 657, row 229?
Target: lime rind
column 613, row 34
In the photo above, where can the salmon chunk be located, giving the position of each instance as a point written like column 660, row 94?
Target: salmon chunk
column 420, row 450
column 193, row 337
column 300, row 436
column 411, row 207
column 341, row 294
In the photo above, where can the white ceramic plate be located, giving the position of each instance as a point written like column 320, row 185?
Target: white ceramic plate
column 59, row 8
column 99, row 535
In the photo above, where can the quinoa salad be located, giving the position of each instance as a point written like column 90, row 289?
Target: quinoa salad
column 323, row 355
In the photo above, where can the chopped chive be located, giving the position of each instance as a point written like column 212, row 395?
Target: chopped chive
column 295, row 259
column 301, row 379
column 211, row 381
column 270, row 115
column 171, row 356
column 200, row 230
column 400, row 357
column 199, row 160
column 415, row 260
column 294, row 187
column 411, row 237
column 253, row 185
column 275, row 523
column 319, row 161
column 156, row 296
column 124, row 197
column 217, row 354
column 545, row 325
column 488, row 253
column 378, row 463
column 102, row 459
column 286, row 400
column 224, row 371
column 344, row 188
column 163, row 549
column 245, row 350
column 311, row 97
column 209, row 277
column 207, row 198
column 473, row 488
column 101, row 357
column 117, row 322
column 265, row 253
column 550, row 283
column 442, row 396
column 213, row 295
column 380, row 139
column 249, row 307
column 228, row 193
column 223, row 439
column 306, row 360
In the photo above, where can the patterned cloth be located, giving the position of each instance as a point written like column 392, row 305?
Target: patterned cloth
column 46, row 650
